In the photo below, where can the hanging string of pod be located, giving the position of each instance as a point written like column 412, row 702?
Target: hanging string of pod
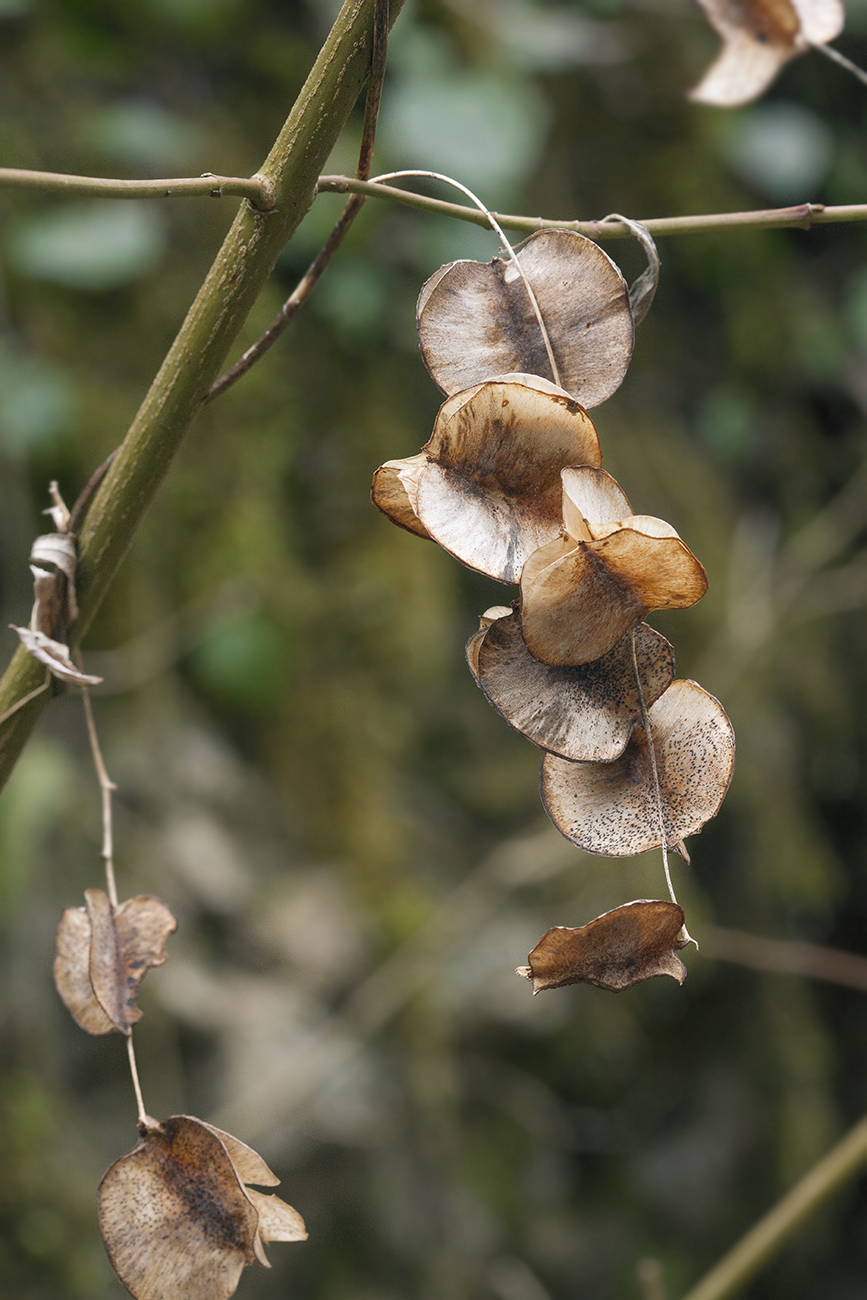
column 511, row 483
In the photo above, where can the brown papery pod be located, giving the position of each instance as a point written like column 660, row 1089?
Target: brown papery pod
column 104, row 953
column 394, row 492
column 177, row 1219
column 474, row 644
column 584, row 713
column 578, row 598
column 612, row 808
column 590, row 497
column 490, row 493
column 633, row 943
column 759, row 37
column 476, row 320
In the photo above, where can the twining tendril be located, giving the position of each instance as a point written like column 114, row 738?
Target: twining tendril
column 447, row 180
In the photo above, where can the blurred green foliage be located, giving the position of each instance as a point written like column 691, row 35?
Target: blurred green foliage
column 350, row 837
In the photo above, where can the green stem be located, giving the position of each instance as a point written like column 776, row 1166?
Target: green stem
column 254, row 188
column 802, row 216
column 842, row 1163
column 239, row 273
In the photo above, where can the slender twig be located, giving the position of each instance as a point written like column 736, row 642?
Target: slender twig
column 133, row 1069
column 254, row 188
column 314, row 272
column 378, row 60
column 651, row 750
column 786, row 956
column 107, row 788
column 840, row 59
column 85, row 496
column 495, row 225
column 801, row 215
column 842, row 1163
column 259, row 191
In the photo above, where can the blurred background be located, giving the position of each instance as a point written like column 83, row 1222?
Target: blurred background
column 350, row 837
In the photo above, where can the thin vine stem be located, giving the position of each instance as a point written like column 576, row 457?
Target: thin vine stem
column 133, row 1069
column 785, row 956
column 315, row 271
column 107, row 788
column 651, row 750
column 254, row 188
column 495, row 225
column 840, row 59
column 801, row 216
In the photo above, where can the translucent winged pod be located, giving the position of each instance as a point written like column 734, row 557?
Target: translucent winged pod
column 178, row 1215
column 584, row 712
column 759, row 38
column 476, row 320
column 581, row 592
column 613, row 808
column 487, row 486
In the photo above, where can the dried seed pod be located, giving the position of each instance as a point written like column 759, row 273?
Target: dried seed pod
column 474, row 644
column 394, row 492
column 583, row 713
column 581, row 592
column 490, row 491
column 612, row 808
column 476, row 320
column 759, row 38
column 632, row 943
column 177, row 1218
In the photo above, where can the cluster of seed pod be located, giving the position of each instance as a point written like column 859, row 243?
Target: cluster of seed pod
column 511, row 483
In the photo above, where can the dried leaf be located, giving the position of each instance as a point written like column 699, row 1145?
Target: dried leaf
column 611, row 808
column 58, row 508
column 583, row 713
column 55, row 656
column 490, row 492
column 633, row 943
column 103, row 955
column 72, row 972
column 759, row 37
column 176, row 1218
column 476, row 321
